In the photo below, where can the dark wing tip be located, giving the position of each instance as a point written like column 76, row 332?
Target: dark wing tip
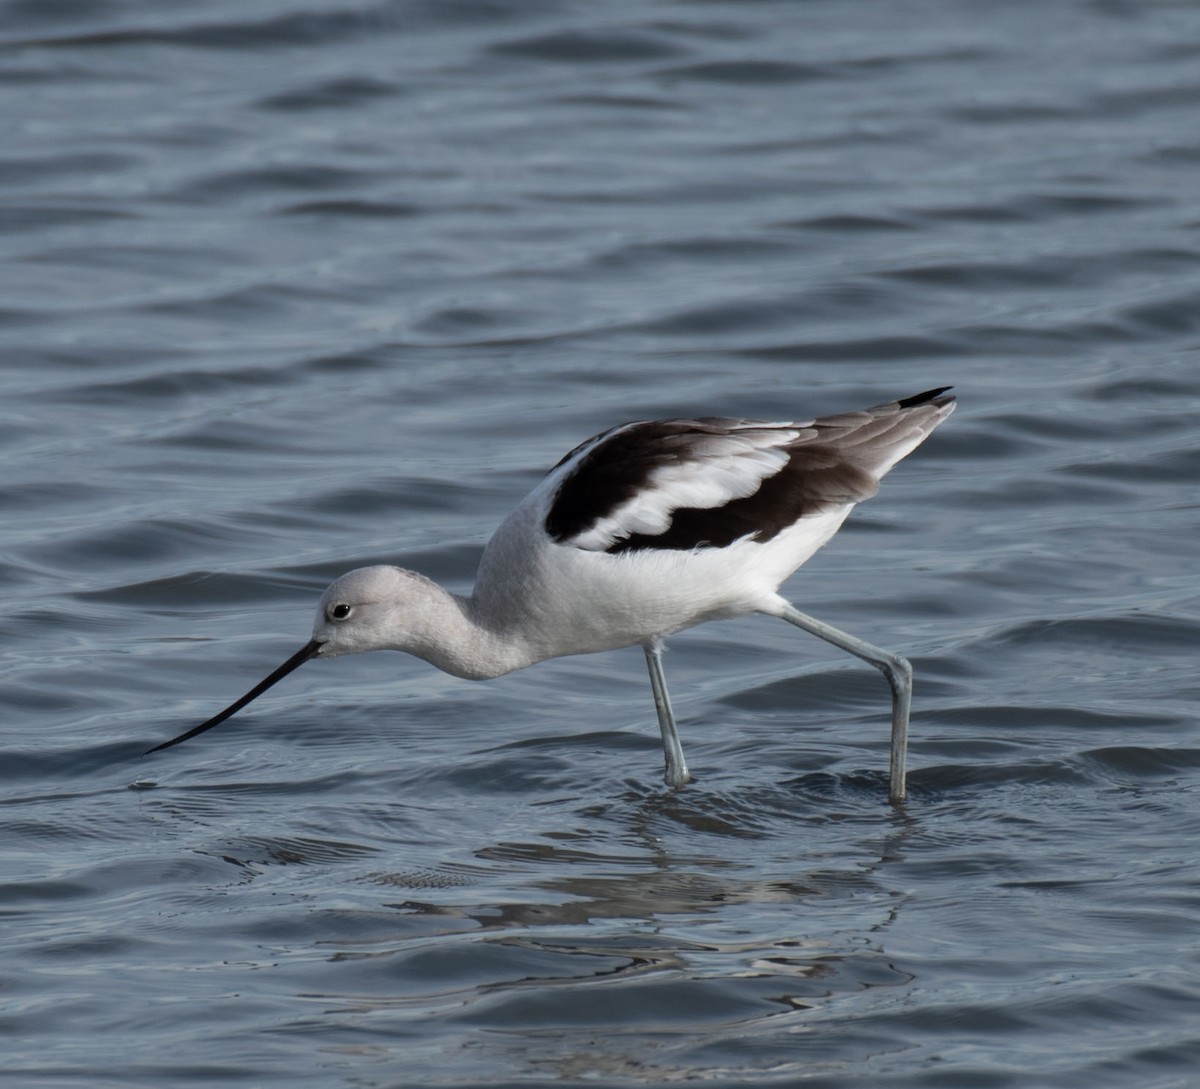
column 930, row 396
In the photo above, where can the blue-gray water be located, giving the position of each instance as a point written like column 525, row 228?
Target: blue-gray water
column 294, row 287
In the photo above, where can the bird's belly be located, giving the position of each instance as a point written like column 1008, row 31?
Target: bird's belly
column 602, row 601
column 554, row 600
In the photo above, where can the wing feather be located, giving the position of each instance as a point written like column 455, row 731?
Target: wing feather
column 695, row 483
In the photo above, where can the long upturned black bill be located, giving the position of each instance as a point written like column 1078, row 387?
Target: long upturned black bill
column 309, row 650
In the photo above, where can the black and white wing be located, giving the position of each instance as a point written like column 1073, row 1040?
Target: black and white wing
column 705, row 483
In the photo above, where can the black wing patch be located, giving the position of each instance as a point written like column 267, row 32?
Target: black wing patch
column 617, row 467
column 814, row 480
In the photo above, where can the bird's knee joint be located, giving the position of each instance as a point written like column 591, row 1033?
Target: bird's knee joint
column 898, row 671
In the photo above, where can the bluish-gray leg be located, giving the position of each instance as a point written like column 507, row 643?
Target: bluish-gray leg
column 899, row 677
column 676, row 773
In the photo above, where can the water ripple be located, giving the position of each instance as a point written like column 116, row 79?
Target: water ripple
column 294, row 289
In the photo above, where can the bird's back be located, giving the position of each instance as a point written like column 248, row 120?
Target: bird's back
column 704, row 483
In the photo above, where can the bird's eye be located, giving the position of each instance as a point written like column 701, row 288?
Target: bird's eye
column 339, row 611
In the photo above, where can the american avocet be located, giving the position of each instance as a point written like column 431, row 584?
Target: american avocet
column 640, row 532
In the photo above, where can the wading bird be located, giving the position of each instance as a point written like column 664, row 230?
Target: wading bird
column 642, row 531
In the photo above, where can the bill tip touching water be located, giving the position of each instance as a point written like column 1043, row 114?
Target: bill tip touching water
column 640, row 532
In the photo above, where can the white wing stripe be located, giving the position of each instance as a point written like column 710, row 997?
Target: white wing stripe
column 713, row 471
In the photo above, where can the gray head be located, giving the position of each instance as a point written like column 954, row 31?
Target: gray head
column 373, row 608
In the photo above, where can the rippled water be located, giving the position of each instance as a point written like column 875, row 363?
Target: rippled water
column 292, row 288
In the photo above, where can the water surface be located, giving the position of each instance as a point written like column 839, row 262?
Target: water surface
column 296, row 288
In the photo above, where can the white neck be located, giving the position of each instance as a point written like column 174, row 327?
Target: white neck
column 458, row 635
